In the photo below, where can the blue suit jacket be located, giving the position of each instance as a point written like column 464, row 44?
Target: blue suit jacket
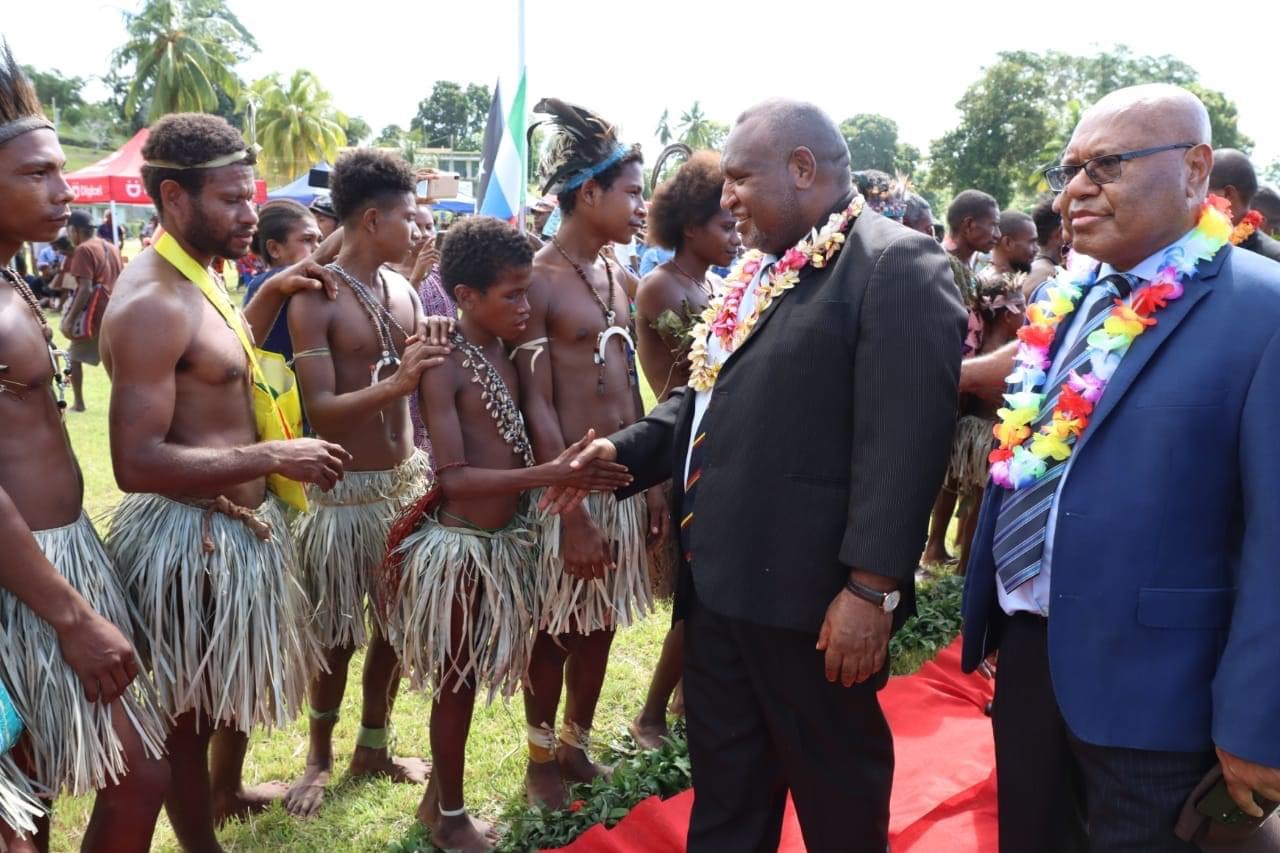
column 1165, row 579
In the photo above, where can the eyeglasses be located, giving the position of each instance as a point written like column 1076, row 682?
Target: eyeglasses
column 1104, row 169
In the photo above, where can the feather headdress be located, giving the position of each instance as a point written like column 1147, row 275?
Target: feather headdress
column 20, row 110
column 584, row 145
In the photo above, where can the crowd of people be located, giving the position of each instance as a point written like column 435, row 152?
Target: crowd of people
column 434, row 448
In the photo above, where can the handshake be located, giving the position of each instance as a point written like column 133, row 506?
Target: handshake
column 583, row 467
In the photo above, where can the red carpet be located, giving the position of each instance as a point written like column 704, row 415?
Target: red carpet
column 944, row 786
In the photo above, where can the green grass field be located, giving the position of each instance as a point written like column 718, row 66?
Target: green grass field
column 78, row 156
column 363, row 816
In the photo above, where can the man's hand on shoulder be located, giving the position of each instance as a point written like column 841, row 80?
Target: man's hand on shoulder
column 304, row 276
column 855, row 634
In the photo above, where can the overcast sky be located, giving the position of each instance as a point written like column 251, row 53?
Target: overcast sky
column 629, row 61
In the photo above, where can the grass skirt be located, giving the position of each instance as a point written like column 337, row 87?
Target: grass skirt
column 969, row 451
column 228, row 631
column 73, row 745
column 344, row 538
column 492, row 575
column 567, row 604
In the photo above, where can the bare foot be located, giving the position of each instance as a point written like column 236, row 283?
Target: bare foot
column 544, row 786
column 305, row 795
column 77, row 407
column 577, row 766
column 379, row 762
column 649, row 735
column 246, row 801
column 936, row 556
column 454, row 832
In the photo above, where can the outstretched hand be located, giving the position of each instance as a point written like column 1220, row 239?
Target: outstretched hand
column 306, row 275
column 557, row 500
column 596, row 476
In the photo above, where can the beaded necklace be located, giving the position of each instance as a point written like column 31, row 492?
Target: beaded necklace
column 610, row 317
column 57, row 358
column 496, row 397
column 380, row 316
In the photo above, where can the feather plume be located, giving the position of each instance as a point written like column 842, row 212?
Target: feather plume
column 582, row 141
column 18, row 97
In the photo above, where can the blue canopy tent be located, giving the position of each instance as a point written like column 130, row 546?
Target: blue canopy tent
column 461, row 204
column 300, row 190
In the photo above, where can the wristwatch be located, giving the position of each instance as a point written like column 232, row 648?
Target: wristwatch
column 886, row 601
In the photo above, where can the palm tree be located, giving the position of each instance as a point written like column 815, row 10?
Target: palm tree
column 696, row 130
column 296, row 124
column 663, row 132
column 183, row 52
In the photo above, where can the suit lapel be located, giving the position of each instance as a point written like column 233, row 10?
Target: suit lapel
column 1149, row 342
column 774, row 308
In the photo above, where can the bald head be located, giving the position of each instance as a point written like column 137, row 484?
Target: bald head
column 1148, row 200
column 1179, row 113
column 788, row 125
column 786, row 167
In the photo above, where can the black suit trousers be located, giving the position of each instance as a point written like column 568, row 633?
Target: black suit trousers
column 762, row 720
column 1058, row 794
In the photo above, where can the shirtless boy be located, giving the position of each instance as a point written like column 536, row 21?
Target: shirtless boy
column 577, row 369
column 464, row 610
column 204, row 551
column 358, row 358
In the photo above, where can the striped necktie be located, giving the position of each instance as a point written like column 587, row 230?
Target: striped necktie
column 1018, row 544
column 697, row 452
column 698, row 449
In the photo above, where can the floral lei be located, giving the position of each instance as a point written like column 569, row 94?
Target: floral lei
column 1252, row 220
column 720, row 317
column 1015, row 466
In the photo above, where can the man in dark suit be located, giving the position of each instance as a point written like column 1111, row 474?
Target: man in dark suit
column 815, row 456
column 1234, row 179
column 1132, row 590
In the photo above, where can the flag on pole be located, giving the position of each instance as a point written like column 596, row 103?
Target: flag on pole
column 504, row 157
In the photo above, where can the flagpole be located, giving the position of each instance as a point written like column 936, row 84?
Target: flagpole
column 522, row 74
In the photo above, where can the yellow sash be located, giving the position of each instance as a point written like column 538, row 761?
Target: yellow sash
column 277, row 408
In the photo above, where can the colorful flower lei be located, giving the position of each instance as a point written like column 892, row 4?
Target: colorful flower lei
column 1015, row 466
column 1250, row 223
column 720, row 318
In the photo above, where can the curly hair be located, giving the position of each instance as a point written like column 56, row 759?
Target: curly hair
column 477, row 250
column 690, row 198
column 568, row 199
column 367, row 177
column 275, row 220
column 188, row 139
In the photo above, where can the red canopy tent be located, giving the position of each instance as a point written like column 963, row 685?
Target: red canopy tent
column 117, row 178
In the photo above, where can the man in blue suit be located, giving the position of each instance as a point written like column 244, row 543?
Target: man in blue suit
column 1133, row 591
